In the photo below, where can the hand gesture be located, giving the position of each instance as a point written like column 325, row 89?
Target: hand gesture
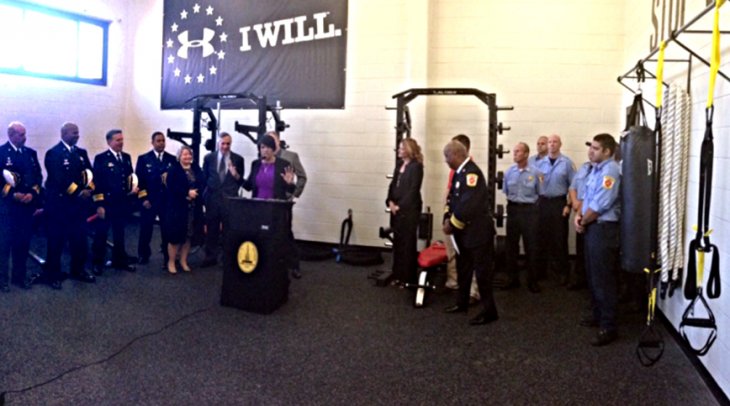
column 192, row 194
column 288, row 175
column 146, row 204
column 101, row 212
column 84, row 194
column 232, row 169
column 576, row 222
column 447, row 228
column 393, row 208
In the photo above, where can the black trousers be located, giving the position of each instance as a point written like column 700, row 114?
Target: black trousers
column 477, row 260
column 65, row 223
column 553, row 237
column 405, row 249
column 116, row 219
column 522, row 221
column 579, row 267
column 601, row 257
column 146, row 226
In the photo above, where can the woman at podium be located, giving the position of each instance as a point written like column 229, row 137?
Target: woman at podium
column 404, row 202
column 270, row 177
column 183, row 223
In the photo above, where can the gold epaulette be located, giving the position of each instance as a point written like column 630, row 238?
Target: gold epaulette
column 71, row 188
column 99, row 197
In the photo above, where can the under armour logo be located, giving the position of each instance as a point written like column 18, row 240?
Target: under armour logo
column 208, row 49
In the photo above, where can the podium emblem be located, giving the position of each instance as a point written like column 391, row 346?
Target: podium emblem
column 248, row 257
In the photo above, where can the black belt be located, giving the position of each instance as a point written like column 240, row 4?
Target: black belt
column 552, row 198
column 606, row 222
column 519, row 204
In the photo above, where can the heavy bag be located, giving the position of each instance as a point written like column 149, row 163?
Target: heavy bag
column 639, row 207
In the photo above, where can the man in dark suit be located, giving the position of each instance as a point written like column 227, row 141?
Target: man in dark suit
column 468, row 219
column 150, row 169
column 19, row 201
column 68, row 192
column 223, row 173
column 114, row 186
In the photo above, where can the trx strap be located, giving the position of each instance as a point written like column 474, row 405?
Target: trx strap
column 345, row 231
column 651, row 344
column 701, row 244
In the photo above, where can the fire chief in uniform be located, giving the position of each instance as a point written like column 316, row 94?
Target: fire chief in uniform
column 467, row 217
column 112, row 175
column 150, row 168
column 17, row 205
column 68, row 192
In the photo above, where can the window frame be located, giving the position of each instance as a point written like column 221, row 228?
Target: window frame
column 76, row 18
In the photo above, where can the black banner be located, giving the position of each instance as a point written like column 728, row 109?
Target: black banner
column 292, row 51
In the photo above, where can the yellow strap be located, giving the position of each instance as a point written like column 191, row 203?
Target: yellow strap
column 700, row 267
column 715, row 57
column 660, row 75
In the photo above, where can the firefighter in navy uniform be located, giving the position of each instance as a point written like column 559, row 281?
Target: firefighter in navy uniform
column 17, row 205
column 150, row 169
column 467, row 217
column 68, row 192
column 114, row 186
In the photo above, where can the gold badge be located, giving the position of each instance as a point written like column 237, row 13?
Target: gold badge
column 248, row 257
column 608, row 182
column 471, row 179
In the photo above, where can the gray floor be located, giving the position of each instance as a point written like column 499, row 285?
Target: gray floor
column 151, row 338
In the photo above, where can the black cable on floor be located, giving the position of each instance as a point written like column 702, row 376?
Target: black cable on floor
column 103, row 360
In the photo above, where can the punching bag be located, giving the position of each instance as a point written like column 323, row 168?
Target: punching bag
column 638, row 192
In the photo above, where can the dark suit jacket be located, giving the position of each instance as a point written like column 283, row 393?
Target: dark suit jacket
column 467, row 207
column 65, row 180
column 178, row 208
column 214, row 188
column 405, row 188
column 281, row 188
column 149, row 170
column 111, row 178
column 27, row 167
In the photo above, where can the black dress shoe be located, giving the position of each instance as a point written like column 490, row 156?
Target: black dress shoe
column 98, row 270
column 484, row 318
column 534, row 287
column 296, row 274
column 589, row 322
column 57, row 285
column 456, row 309
column 604, row 337
column 4, row 288
column 84, row 277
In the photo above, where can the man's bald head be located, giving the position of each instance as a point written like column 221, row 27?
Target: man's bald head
column 455, row 154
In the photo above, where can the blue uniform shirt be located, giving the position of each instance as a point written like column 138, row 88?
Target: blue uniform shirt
column 579, row 180
column 557, row 176
column 602, row 191
column 521, row 185
column 533, row 161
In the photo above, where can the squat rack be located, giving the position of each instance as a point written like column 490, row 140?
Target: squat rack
column 403, row 130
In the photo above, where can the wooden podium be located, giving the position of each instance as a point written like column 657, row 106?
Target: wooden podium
column 255, row 245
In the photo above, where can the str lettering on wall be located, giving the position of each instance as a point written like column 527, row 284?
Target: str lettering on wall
column 666, row 17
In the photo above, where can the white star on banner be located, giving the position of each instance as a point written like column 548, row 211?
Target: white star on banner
column 224, row 37
column 177, row 72
column 169, row 43
column 196, row 8
column 188, row 79
column 174, row 27
column 219, row 21
column 170, row 59
column 201, row 78
column 184, row 15
column 209, row 11
column 221, row 54
column 213, row 70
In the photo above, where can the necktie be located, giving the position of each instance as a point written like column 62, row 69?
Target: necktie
column 222, row 168
column 119, row 157
column 159, row 157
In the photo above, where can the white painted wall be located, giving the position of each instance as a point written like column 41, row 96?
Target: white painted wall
column 638, row 25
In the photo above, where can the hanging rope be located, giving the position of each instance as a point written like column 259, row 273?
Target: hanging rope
column 701, row 245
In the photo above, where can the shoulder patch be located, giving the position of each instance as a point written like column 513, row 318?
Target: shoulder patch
column 608, row 182
column 471, row 179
